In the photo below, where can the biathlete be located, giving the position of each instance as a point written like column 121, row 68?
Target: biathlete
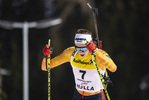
column 87, row 80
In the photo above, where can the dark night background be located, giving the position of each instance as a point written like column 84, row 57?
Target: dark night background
column 123, row 26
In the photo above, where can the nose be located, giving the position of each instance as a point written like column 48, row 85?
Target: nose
column 81, row 51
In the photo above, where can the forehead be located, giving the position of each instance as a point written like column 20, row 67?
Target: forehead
column 80, row 45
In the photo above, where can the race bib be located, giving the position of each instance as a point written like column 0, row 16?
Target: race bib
column 86, row 75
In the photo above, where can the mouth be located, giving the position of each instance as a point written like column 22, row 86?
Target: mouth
column 82, row 55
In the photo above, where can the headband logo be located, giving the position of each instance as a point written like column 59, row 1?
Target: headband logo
column 80, row 39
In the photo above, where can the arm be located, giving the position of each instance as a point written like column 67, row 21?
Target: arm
column 102, row 58
column 64, row 57
column 104, row 61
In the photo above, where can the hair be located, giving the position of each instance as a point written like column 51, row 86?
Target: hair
column 83, row 31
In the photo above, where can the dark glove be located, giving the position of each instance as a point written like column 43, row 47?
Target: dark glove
column 107, row 80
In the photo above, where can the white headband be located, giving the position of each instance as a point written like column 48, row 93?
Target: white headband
column 81, row 38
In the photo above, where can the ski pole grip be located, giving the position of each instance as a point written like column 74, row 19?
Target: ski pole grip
column 49, row 42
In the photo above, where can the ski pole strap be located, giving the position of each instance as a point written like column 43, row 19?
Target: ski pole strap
column 100, row 44
column 102, row 80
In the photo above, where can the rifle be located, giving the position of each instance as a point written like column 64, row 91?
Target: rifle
column 95, row 13
column 104, row 78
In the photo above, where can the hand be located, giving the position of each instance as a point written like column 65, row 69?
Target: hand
column 91, row 47
column 46, row 50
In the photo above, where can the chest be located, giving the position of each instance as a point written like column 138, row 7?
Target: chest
column 84, row 63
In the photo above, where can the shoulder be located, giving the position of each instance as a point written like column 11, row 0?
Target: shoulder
column 69, row 50
column 103, row 52
column 100, row 51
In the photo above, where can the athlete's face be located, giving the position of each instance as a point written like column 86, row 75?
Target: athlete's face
column 82, row 53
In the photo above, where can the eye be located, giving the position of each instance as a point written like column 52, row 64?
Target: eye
column 83, row 49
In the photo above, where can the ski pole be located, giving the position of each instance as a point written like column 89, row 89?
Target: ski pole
column 48, row 64
column 102, row 80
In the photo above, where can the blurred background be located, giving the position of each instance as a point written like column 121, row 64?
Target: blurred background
column 123, row 27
